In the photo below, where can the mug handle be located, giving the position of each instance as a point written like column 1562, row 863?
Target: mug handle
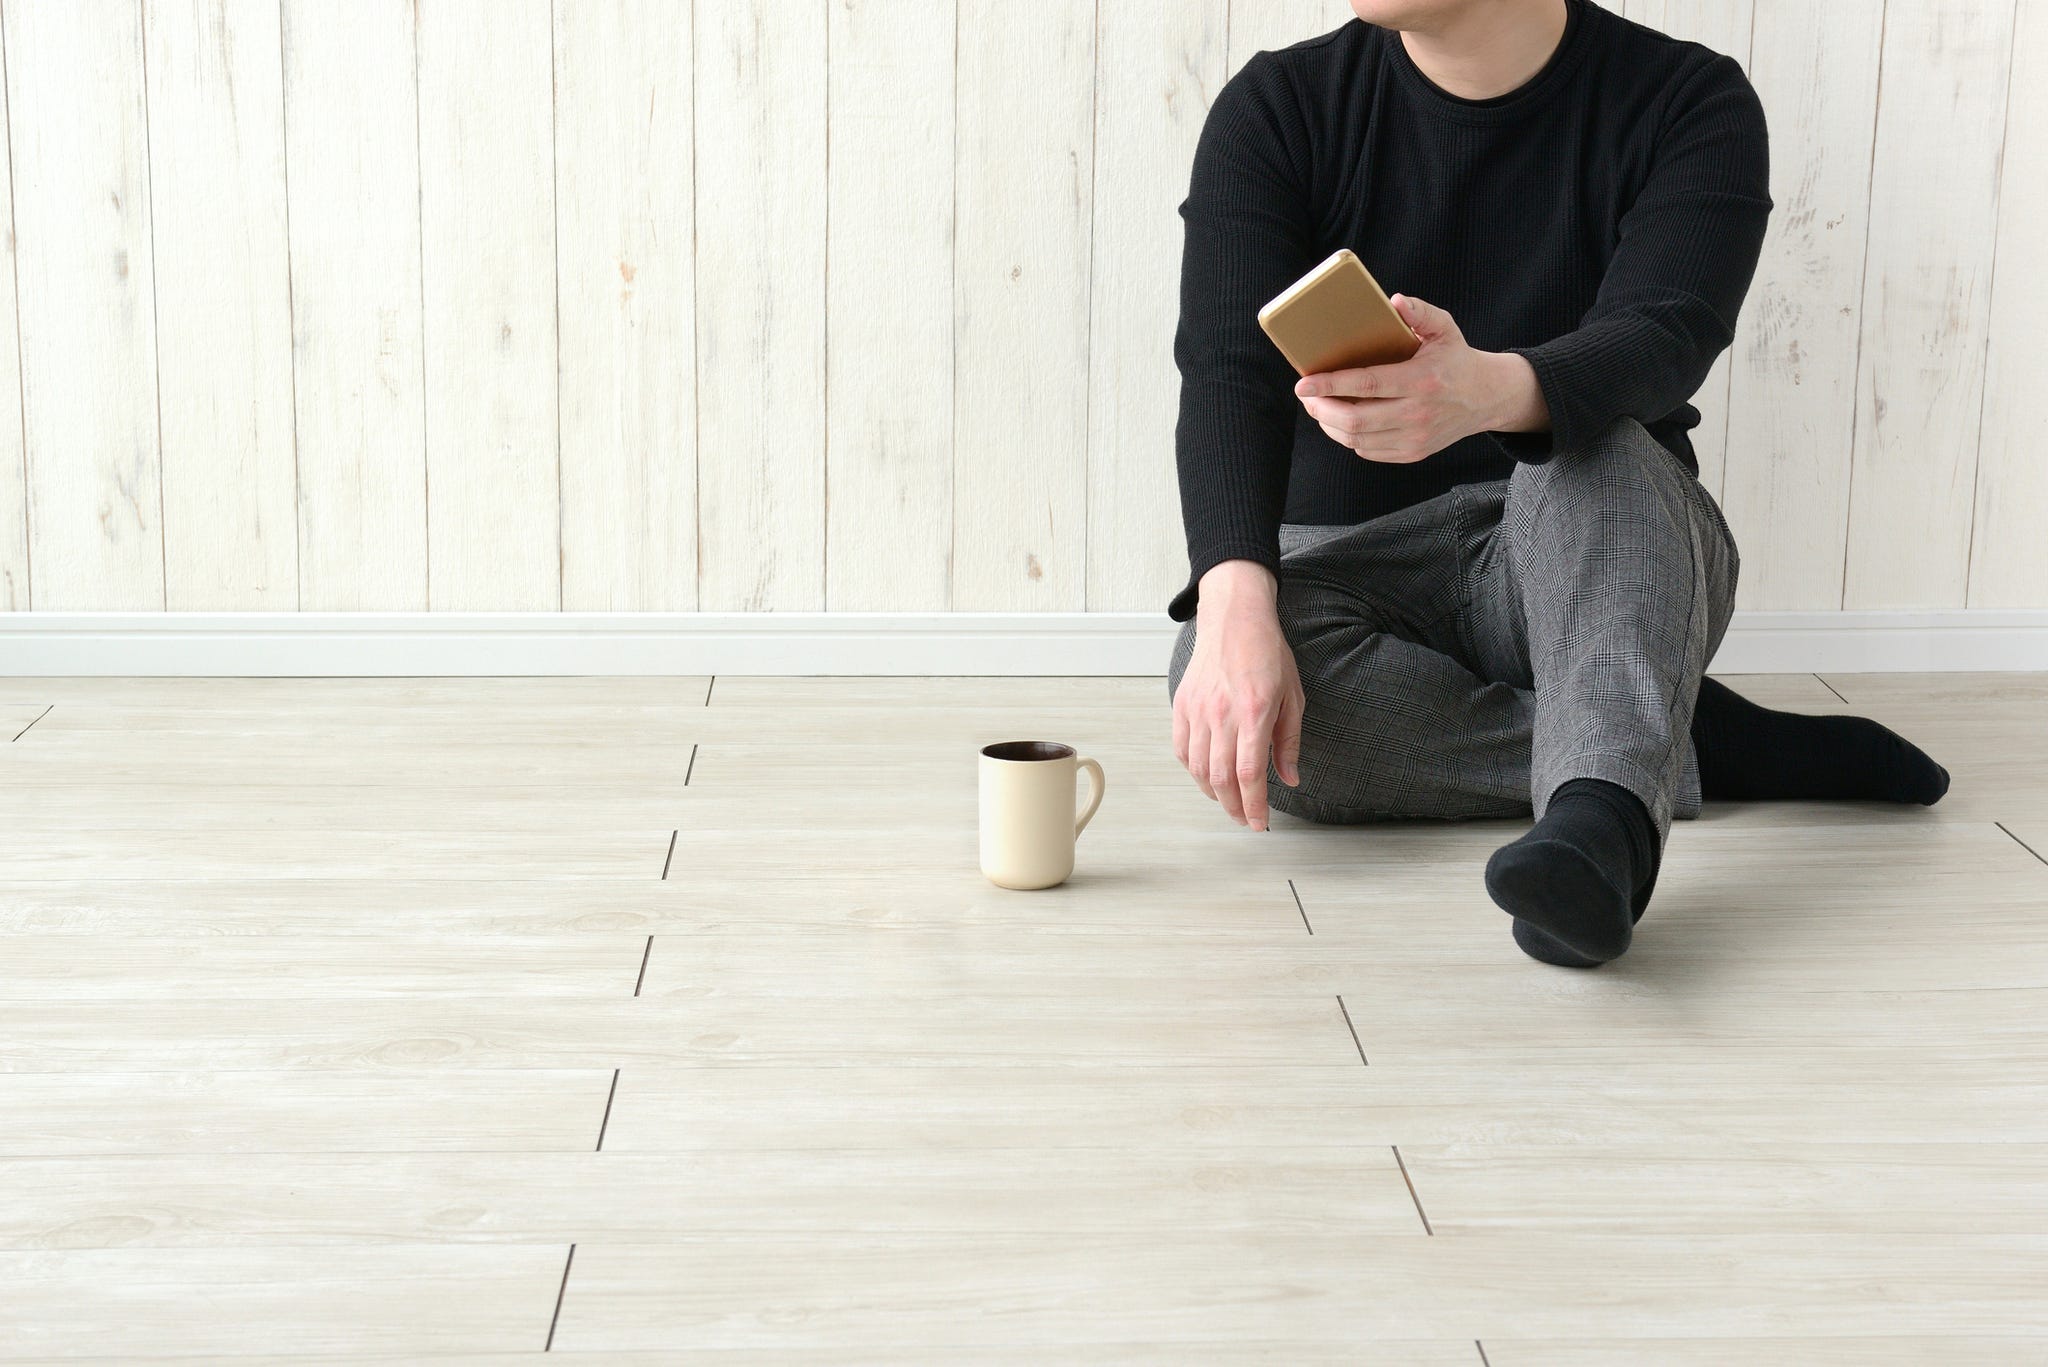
column 1095, row 787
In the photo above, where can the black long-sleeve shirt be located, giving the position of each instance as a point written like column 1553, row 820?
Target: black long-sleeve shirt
column 1603, row 220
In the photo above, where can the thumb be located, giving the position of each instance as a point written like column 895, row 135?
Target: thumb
column 1428, row 321
column 1287, row 741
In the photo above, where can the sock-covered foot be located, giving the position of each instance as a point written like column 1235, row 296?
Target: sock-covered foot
column 1572, row 882
column 1748, row 753
column 1548, row 949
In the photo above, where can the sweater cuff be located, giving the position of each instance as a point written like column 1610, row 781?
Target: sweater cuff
column 1183, row 605
column 1552, row 363
column 1530, row 448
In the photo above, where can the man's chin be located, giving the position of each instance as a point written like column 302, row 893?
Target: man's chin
column 1404, row 14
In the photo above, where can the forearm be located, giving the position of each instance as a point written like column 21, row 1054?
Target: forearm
column 1234, row 463
column 1640, row 364
column 1248, row 218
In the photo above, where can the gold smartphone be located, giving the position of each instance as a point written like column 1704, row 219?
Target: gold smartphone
column 1335, row 318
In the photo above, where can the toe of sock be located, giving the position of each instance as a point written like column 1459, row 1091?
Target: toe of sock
column 1557, row 890
column 1548, row 949
column 1937, row 785
column 1905, row 772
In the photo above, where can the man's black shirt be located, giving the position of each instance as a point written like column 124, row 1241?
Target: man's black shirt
column 1603, row 219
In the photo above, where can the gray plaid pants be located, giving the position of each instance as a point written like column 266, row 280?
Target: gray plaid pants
column 1465, row 656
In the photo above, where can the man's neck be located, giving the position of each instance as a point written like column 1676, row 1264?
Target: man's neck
column 1488, row 47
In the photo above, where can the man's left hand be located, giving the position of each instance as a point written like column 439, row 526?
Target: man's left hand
column 1409, row 410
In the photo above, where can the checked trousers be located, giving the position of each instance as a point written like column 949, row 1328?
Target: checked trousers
column 1465, row 656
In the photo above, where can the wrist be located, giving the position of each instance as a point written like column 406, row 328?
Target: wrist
column 1517, row 397
column 1236, row 583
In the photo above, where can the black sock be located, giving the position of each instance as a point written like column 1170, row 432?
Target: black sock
column 1577, row 882
column 1749, row 752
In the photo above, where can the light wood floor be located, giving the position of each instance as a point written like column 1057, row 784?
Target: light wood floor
column 666, row 1020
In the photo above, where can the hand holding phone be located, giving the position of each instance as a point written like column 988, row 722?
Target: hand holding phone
column 1336, row 317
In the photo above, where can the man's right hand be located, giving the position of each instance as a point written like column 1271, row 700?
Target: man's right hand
column 1240, row 698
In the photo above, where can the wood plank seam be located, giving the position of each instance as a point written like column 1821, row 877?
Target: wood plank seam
column 28, row 558
column 555, row 214
column 38, row 717
column 1088, row 274
column 156, row 323
column 605, row 1123
column 420, row 210
column 2021, row 843
column 824, row 337
column 1353, row 1029
column 1298, row 907
column 291, row 311
column 2012, row 39
column 560, row 1292
column 1410, row 1182
column 1862, row 289
column 952, row 338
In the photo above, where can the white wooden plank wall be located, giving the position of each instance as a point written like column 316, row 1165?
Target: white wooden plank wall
column 623, row 89
column 1024, row 176
column 223, row 304
column 352, row 168
column 86, row 302
column 888, row 307
column 1793, row 382
column 1170, row 56
column 2009, row 545
column 864, row 304
column 14, row 586
column 1926, row 301
column 761, row 234
column 487, row 243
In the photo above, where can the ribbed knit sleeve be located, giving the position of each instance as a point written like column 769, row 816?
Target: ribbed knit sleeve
column 1687, row 249
column 1248, row 236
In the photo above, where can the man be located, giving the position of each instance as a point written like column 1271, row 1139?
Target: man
column 1484, row 581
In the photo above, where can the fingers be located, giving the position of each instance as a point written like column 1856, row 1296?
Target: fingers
column 1365, row 382
column 1287, row 738
column 1197, row 758
column 1417, row 376
column 1223, row 770
column 1251, row 774
column 1359, row 416
column 1388, row 430
column 1426, row 320
column 1224, row 740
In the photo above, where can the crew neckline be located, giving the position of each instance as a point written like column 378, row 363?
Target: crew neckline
column 1571, row 46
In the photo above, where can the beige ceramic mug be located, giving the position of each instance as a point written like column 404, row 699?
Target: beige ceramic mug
column 1028, row 821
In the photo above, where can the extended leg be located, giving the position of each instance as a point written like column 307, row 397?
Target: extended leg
column 1752, row 752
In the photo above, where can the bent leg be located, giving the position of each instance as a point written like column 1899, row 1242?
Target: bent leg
column 1396, row 724
column 1614, row 577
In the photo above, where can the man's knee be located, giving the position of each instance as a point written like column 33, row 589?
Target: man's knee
column 1623, row 452
column 1623, row 473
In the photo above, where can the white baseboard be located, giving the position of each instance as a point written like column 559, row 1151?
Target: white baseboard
column 271, row 644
